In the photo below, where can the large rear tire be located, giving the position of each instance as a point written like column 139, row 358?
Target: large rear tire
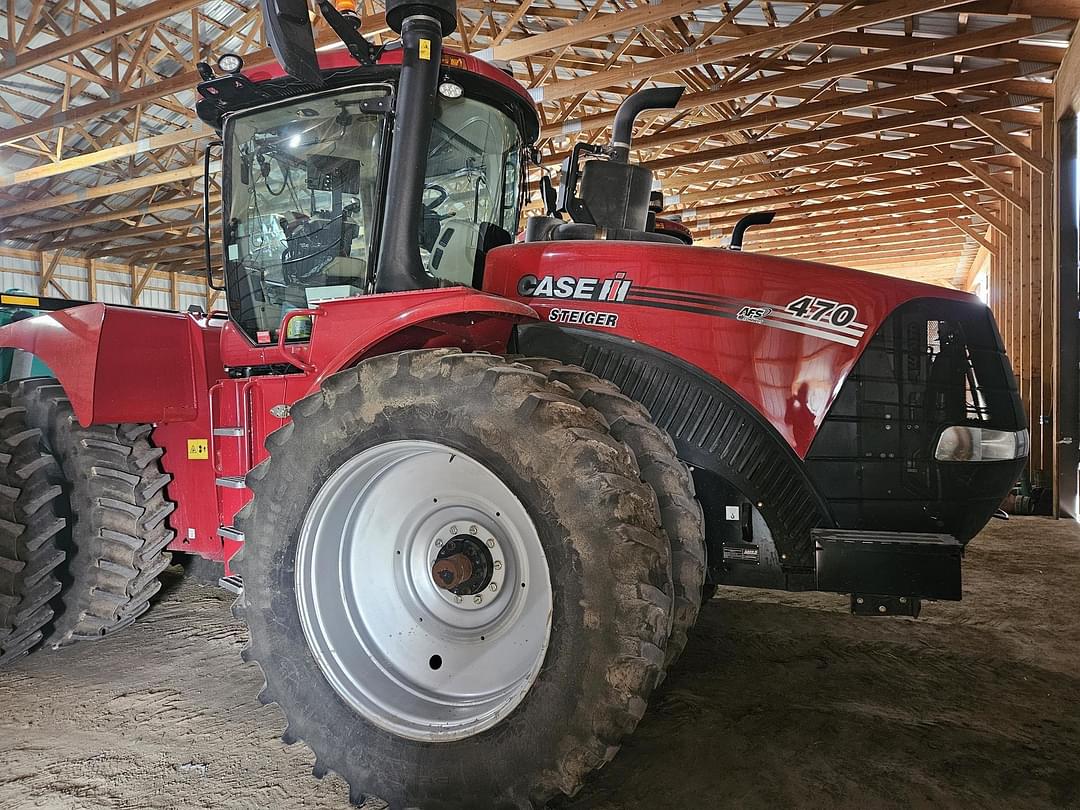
column 680, row 512
column 29, row 529
column 115, row 505
column 458, row 704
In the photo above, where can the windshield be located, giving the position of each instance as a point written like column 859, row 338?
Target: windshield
column 302, row 191
column 471, row 188
column 302, row 200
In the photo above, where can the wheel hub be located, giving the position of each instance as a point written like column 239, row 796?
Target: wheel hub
column 467, row 565
column 423, row 590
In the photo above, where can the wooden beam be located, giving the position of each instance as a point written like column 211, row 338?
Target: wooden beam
column 744, row 46
column 844, row 102
column 792, row 181
column 917, row 145
column 787, row 200
column 90, row 159
column 1002, row 189
column 47, row 271
column 870, row 126
column 147, row 14
column 982, row 212
column 120, row 215
column 973, row 233
column 830, row 70
column 995, row 132
column 599, row 26
column 147, row 181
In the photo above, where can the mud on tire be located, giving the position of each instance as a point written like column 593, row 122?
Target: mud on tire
column 680, row 511
column 604, row 548
column 29, row 527
column 115, row 506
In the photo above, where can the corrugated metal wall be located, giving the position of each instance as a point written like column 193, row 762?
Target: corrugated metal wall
column 113, row 284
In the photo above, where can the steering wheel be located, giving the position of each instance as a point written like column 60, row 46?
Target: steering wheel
column 431, row 220
column 442, row 192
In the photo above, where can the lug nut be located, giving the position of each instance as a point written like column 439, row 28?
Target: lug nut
column 491, row 543
column 497, row 565
column 493, row 587
column 453, row 530
column 472, row 530
column 438, row 542
column 457, row 599
column 478, row 599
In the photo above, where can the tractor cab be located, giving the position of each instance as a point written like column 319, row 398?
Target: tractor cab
column 309, row 181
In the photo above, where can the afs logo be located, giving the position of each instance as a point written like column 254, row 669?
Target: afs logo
column 575, row 288
column 754, row 314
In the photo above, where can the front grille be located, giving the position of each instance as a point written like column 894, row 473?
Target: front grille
column 932, row 364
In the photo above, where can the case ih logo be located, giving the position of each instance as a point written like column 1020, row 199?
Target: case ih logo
column 574, row 288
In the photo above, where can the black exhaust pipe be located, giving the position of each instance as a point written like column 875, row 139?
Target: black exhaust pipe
column 747, row 222
column 422, row 26
column 655, row 98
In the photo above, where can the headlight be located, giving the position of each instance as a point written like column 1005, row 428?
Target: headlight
column 981, row 444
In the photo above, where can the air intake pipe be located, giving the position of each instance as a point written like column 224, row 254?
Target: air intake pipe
column 422, row 26
column 747, row 222
column 655, row 98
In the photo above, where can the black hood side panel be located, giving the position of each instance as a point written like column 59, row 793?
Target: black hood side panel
column 933, row 363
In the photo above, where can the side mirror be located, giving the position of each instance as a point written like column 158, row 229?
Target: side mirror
column 288, row 28
column 547, row 194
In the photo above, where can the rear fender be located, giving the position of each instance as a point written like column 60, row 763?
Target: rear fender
column 118, row 364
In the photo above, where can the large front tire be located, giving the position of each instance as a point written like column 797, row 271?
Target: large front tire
column 661, row 469
column 604, row 563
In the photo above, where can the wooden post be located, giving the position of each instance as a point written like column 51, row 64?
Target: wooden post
column 1047, row 312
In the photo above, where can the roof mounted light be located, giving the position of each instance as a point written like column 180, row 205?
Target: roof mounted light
column 449, row 89
column 230, row 63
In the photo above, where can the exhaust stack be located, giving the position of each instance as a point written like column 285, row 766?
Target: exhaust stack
column 422, row 26
column 747, row 222
column 655, row 98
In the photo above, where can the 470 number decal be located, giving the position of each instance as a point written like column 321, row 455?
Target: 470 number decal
column 823, row 310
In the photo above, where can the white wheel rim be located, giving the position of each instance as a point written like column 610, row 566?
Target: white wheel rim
column 415, row 658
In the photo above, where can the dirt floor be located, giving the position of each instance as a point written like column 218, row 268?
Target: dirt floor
column 780, row 701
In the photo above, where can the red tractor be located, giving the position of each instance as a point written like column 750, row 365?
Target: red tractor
column 472, row 492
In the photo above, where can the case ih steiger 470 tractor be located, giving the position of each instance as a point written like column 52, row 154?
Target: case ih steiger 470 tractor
column 472, row 491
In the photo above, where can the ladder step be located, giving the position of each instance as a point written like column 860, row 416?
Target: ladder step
column 230, row 482
column 232, row 583
column 229, row 431
column 230, row 533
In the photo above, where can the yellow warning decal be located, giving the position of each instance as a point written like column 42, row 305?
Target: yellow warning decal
column 19, row 300
column 198, row 449
column 425, row 50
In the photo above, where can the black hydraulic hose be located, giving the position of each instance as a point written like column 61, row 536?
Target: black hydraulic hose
column 749, row 221
column 399, row 266
column 655, row 98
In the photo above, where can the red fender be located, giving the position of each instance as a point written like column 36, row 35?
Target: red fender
column 348, row 330
column 120, row 364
